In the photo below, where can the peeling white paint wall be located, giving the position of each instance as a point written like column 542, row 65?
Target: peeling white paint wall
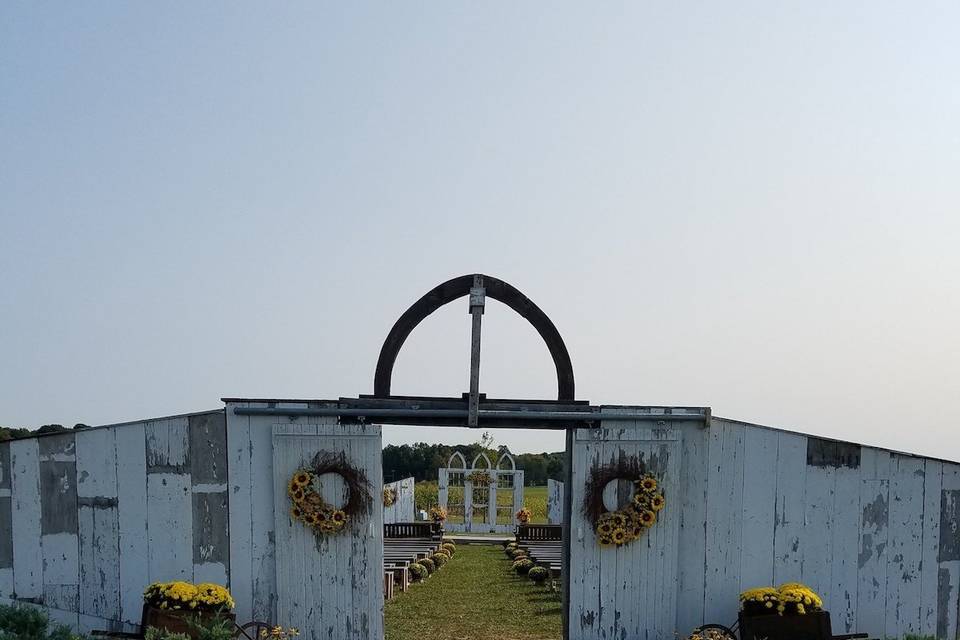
column 874, row 532
column 88, row 518
column 332, row 588
column 95, row 515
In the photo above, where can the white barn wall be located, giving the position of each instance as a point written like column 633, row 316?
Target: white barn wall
column 94, row 515
column 403, row 509
column 874, row 532
column 87, row 518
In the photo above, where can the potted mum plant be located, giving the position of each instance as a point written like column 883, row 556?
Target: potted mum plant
column 177, row 606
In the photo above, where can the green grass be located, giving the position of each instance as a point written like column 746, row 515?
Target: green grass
column 475, row 596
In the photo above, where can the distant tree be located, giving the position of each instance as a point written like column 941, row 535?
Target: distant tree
column 12, row 433
column 51, row 428
column 79, row 426
column 422, row 460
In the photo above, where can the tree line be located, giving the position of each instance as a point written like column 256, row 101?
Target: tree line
column 13, row 433
column 422, row 460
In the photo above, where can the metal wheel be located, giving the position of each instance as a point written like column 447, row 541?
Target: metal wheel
column 715, row 632
column 252, row 630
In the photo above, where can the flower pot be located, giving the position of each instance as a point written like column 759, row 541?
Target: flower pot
column 811, row 626
column 176, row 620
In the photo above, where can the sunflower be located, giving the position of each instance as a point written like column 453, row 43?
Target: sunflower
column 338, row 516
column 302, row 477
column 640, row 499
column 657, row 502
column 605, row 540
column 648, row 483
column 619, row 520
column 619, row 537
column 321, row 515
column 295, row 513
column 297, row 494
column 648, row 518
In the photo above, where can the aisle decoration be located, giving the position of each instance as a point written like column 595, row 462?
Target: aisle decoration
column 523, row 516
column 311, row 509
column 629, row 523
column 438, row 514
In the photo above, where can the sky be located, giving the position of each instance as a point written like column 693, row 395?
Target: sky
column 751, row 206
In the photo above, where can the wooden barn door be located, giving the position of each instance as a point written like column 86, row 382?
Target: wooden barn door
column 330, row 587
column 628, row 591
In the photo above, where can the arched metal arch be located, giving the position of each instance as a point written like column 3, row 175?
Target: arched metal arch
column 457, row 288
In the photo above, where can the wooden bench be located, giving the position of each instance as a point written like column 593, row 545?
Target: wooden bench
column 539, row 532
column 543, row 544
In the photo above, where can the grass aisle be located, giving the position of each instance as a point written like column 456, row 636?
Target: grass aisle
column 474, row 597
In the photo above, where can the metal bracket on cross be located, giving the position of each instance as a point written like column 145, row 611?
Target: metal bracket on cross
column 478, row 296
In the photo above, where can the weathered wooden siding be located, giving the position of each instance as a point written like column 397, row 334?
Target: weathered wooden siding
column 619, row 592
column 874, row 532
column 6, row 524
column 333, row 589
column 554, row 502
column 403, row 509
column 95, row 515
column 329, row 587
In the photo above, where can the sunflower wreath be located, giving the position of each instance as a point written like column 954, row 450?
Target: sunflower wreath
column 629, row 523
column 389, row 496
column 312, row 510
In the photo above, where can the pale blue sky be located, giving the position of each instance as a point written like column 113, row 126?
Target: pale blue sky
column 753, row 206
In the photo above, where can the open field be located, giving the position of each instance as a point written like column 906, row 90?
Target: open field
column 475, row 597
column 535, row 499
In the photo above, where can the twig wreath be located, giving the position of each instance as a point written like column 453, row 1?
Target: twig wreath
column 629, row 523
column 315, row 512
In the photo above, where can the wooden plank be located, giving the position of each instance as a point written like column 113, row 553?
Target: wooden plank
column 790, row 508
column 948, row 557
column 208, row 484
column 584, row 600
column 130, row 441
column 241, row 509
column 905, row 540
column 817, row 537
column 693, row 518
column 6, row 523
column 929, row 573
column 27, row 557
column 169, row 501
column 58, row 524
column 872, row 558
column 842, row 601
column 554, row 501
column 724, row 518
column 262, row 555
column 759, row 496
column 99, row 525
